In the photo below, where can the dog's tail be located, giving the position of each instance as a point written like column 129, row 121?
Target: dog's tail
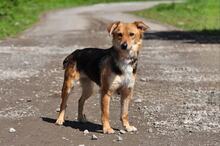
column 70, row 59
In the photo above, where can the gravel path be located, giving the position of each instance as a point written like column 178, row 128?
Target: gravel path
column 177, row 93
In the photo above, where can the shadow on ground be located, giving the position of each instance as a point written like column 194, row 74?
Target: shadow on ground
column 202, row 37
column 92, row 127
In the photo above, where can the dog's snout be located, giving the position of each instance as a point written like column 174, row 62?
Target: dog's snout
column 124, row 46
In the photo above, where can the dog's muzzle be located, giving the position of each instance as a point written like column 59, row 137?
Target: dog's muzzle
column 124, row 46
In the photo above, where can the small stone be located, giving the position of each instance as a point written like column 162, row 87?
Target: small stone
column 143, row 79
column 122, row 131
column 26, row 63
column 119, row 138
column 94, row 137
column 28, row 100
column 139, row 100
column 150, row 130
column 81, row 145
column 12, row 130
column 21, row 99
column 58, row 109
column 85, row 132
column 64, row 138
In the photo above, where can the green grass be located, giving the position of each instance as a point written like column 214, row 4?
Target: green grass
column 18, row 15
column 193, row 15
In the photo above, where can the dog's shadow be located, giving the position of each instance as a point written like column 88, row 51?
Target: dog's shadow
column 92, row 127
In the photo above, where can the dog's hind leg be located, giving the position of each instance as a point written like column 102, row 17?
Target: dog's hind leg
column 70, row 75
column 87, row 90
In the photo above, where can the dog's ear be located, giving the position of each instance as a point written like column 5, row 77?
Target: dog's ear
column 141, row 26
column 111, row 27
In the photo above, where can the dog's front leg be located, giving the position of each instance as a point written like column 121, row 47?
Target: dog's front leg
column 105, row 101
column 126, row 95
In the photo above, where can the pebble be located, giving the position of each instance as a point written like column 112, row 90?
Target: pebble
column 85, row 132
column 58, row 109
column 28, row 100
column 143, row 79
column 122, row 131
column 64, row 138
column 12, row 130
column 26, row 63
column 21, row 99
column 94, row 137
column 119, row 138
column 81, row 145
column 150, row 130
column 139, row 100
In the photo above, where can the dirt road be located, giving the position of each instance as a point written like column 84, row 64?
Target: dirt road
column 177, row 93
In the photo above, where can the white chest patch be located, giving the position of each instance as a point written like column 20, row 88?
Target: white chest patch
column 126, row 79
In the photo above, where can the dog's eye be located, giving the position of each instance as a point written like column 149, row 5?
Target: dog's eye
column 131, row 34
column 119, row 34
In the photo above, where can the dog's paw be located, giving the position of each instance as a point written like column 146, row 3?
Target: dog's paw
column 130, row 128
column 108, row 130
column 59, row 122
column 82, row 119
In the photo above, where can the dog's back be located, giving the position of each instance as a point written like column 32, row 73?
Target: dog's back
column 88, row 61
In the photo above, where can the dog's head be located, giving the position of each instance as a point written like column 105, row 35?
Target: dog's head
column 127, row 37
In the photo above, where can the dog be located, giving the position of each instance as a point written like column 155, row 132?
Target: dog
column 113, row 70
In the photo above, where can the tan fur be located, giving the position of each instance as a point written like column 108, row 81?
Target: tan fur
column 70, row 75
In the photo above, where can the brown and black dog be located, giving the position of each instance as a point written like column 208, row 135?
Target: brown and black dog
column 113, row 69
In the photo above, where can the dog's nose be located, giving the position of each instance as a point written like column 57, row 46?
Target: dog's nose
column 124, row 46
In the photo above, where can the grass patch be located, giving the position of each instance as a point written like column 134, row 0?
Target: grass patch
column 193, row 15
column 18, row 15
